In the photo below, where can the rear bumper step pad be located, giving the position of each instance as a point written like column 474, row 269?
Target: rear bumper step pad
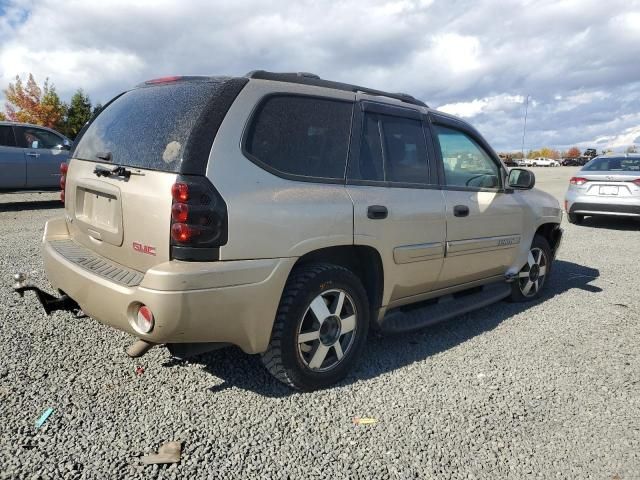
column 105, row 268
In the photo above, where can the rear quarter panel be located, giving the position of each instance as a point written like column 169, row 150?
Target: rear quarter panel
column 269, row 216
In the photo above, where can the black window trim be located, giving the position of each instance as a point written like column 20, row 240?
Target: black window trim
column 377, row 108
column 244, row 139
column 15, row 137
column 435, row 119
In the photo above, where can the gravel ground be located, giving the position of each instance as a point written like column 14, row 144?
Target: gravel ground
column 543, row 390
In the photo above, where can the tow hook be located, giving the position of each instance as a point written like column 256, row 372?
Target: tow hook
column 49, row 302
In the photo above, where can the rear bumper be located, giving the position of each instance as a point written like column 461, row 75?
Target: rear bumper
column 577, row 203
column 229, row 302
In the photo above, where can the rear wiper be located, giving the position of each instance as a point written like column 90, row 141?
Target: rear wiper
column 119, row 171
column 106, row 156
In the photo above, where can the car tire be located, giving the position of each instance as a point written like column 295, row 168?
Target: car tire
column 535, row 274
column 575, row 218
column 314, row 291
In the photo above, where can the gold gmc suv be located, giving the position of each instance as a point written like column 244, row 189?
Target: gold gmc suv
column 288, row 215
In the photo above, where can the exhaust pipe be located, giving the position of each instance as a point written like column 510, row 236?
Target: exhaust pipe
column 139, row 348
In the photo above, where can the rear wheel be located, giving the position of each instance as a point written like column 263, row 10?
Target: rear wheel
column 320, row 327
column 575, row 218
column 534, row 274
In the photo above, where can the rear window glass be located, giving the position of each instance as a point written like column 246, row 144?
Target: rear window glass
column 612, row 164
column 301, row 136
column 149, row 127
column 406, row 150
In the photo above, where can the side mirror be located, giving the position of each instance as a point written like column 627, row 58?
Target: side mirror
column 521, row 179
column 66, row 144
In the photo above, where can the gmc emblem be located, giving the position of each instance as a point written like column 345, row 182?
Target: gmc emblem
column 149, row 250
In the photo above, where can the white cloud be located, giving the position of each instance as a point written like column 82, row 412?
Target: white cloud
column 483, row 105
column 478, row 59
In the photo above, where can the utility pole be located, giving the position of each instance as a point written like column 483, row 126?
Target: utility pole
column 524, row 130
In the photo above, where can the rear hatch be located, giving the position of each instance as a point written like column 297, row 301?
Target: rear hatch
column 118, row 197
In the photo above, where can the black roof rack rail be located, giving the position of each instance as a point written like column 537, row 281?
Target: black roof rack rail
column 305, row 78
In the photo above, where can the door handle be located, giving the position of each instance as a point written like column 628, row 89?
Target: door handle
column 461, row 211
column 33, row 154
column 377, row 212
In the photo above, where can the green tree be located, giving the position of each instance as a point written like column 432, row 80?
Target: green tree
column 31, row 103
column 97, row 109
column 78, row 113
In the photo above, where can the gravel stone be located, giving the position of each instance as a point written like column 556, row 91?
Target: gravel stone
column 549, row 389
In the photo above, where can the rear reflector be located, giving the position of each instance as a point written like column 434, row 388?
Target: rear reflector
column 144, row 320
column 578, row 181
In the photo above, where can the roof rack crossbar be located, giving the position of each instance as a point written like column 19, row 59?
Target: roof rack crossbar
column 305, row 78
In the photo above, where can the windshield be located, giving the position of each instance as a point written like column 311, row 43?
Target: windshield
column 149, row 127
column 612, row 164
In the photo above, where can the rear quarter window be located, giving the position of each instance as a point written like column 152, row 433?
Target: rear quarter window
column 168, row 127
column 300, row 136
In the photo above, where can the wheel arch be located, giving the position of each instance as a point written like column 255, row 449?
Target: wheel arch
column 552, row 233
column 364, row 261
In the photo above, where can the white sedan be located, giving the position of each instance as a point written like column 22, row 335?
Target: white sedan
column 545, row 162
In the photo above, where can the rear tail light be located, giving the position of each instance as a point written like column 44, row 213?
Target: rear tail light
column 198, row 219
column 143, row 319
column 636, row 181
column 578, row 181
column 64, row 167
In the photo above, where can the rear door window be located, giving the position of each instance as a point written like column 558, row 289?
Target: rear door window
column 301, row 136
column 160, row 127
column 405, row 150
column 7, row 139
column 392, row 149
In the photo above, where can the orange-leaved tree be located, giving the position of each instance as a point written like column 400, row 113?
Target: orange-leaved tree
column 573, row 152
column 31, row 103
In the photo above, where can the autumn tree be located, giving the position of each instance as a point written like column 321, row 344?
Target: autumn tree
column 548, row 152
column 2, row 117
column 78, row 113
column 573, row 152
column 31, row 103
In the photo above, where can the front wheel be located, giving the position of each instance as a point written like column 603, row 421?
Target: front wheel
column 320, row 327
column 534, row 274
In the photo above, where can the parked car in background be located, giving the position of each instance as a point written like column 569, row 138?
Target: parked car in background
column 524, row 162
column 544, row 162
column 30, row 156
column 571, row 162
column 171, row 185
column 607, row 185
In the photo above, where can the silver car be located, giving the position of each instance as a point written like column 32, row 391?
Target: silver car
column 608, row 185
column 30, row 156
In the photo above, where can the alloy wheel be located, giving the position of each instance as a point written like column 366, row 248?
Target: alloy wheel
column 532, row 276
column 327, row 330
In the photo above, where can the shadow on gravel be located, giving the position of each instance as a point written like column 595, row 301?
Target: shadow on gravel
column 386, row 354
column 33, row 205
column 611, row 223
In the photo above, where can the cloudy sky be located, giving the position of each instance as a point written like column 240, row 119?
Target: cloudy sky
column 578, row 60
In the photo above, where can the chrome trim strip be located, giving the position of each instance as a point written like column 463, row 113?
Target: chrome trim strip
column 418, row 253
column 476, row 245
